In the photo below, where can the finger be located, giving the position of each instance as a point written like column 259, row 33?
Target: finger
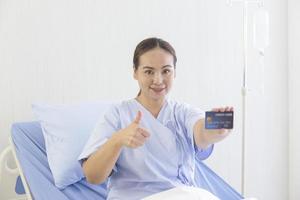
column 215, row 109
column 144, row 132
column 139, row 136
column 141, row 139
column 221, row 131
column 222, row 109
column 138, row 143
column 138, row 117
column 133, row 142
column 228, row 108
column 225, row 131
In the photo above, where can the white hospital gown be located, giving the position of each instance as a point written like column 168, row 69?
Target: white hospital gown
column 166, row 160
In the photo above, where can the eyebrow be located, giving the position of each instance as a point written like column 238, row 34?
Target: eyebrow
column 165, row 66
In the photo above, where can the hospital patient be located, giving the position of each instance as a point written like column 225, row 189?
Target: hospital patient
column 148, row 144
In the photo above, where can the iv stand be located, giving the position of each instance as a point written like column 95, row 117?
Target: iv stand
column 244, row 85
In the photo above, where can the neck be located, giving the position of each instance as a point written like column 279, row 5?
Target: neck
column 153, row 106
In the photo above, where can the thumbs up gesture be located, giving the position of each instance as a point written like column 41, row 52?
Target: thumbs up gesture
column 134, row 136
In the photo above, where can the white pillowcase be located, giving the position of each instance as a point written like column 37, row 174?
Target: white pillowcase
column 66, row 129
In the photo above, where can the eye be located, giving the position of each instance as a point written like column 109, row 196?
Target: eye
column 148, row 72
column 166, row 71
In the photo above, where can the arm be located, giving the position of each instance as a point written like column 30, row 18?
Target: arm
column 100, row 164
column 199, row 138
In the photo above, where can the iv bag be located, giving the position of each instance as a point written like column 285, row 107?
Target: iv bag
column 261, row 30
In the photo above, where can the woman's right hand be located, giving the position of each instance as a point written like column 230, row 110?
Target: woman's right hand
column 133, row 136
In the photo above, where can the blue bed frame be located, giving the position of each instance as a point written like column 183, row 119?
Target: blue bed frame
column 30, row 151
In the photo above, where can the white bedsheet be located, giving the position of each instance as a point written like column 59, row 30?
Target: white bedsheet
column 183, row 192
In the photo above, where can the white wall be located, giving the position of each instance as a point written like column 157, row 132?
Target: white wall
column 294, row 98
column 267, row 127
column 63, row 51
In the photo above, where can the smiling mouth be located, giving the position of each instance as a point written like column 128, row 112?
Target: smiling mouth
column 157, row 89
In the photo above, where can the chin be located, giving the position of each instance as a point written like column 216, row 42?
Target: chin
column 158, row 97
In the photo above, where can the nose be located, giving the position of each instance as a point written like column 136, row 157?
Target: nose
column 157, row 79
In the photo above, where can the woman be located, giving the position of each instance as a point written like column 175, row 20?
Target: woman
column 148, row 144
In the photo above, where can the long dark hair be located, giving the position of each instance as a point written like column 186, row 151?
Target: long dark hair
column 149, row 44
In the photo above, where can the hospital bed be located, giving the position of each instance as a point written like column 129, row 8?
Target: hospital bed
column 28, row 145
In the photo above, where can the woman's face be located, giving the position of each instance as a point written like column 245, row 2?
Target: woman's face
column 155, row 73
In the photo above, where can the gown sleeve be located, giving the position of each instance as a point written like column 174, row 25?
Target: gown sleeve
column 105, row 127
column 192, row 115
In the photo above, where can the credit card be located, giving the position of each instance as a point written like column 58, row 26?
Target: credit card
column 218, row 120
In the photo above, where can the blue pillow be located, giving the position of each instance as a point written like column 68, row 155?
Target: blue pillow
column 66, row 129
